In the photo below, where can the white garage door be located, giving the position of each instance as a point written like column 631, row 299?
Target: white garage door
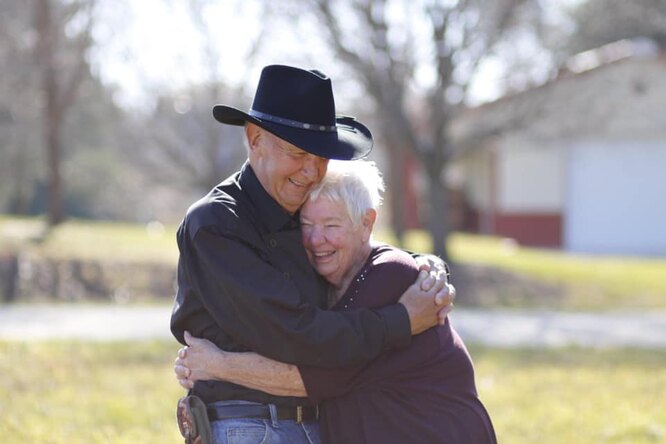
column 616, row 198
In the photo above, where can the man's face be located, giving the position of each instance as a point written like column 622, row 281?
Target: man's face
column 286, row 172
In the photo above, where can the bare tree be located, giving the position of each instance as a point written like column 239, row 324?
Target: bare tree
column 599, row 22
column 63, row 37
column 386, row 43
column 18, row 111
column 184, row 142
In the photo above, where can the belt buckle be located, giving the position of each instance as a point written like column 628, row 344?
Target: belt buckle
column 299, row 414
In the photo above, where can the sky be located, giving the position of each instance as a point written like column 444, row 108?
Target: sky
column 147, row 46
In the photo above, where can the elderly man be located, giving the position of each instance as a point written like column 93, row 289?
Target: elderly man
column 244, row 280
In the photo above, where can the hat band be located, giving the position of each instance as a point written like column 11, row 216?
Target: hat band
column 293, row 123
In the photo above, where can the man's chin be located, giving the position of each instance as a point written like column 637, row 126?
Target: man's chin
column 297, row 203
column 293, row 204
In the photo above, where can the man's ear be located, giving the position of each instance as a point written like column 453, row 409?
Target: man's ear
column 253, row 134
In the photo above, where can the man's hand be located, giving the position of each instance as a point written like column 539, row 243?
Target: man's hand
column 197, row 361
column 428, row 301
column 434, row 265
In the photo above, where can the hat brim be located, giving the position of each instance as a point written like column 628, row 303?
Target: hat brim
column 351, row 140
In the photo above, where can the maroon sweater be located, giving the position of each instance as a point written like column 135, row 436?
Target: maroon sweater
column 422, row 393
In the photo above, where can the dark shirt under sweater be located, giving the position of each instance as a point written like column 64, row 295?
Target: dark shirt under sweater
column 245, row 283
column 423, row 393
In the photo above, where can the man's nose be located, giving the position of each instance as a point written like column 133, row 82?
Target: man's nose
column 311, row 166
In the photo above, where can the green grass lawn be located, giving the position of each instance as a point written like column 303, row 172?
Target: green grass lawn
column 89, row 393
column 592, row 282
column 639, row 281
column 73, row 392
column 574, row 395
column 113, row 241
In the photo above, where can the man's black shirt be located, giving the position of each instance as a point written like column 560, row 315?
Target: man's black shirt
column 245, row 283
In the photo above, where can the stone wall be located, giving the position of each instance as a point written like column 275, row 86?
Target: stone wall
column 479, row 285
column 30, row 278
column 27, row 277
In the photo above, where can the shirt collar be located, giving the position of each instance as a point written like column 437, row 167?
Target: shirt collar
column 271, row 214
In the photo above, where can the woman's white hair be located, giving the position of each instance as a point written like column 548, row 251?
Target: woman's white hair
column 356, row 183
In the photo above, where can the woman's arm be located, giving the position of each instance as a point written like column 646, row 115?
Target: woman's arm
column 202, row 360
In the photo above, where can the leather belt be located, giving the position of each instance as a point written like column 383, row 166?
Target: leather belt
column 298, row 414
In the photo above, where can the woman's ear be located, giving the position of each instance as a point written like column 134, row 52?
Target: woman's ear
column 368, row 222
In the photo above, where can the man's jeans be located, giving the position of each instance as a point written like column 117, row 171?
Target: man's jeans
column 254, row 431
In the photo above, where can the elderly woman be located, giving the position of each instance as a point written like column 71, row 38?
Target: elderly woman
column 422, row 393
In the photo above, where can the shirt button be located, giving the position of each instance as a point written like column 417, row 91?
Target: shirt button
column 273, row 243
column 286, row 275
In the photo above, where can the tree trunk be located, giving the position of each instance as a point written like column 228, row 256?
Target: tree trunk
column 54, row 153
column 396, row 189
column 438, row 217
column 47, row 42
column 19, row 203
column 438, row 204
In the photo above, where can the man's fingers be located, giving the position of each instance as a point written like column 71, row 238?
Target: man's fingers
column 434, row 281
column 443, row 313
column 438, row 285
column 445, row 299
column 424, row 281
column 446, row 295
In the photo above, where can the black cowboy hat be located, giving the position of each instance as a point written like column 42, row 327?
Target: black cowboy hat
column 297, row 106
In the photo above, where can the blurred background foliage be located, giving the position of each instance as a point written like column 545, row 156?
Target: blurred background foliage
column 106, row 138
column 105, row 106
column 92, row 126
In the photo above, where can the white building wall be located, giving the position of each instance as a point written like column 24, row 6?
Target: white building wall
column 616, row 197
column 477, row 179
column 530, row 176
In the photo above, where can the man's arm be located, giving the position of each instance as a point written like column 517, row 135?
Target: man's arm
column 202, row 360
column 433, row 264
column 250, row 300
column 254, row 304
column 391, row 272
column 440, row 271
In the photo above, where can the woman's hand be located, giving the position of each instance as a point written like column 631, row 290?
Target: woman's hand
column 197, row 361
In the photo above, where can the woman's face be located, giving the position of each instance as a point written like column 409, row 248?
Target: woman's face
column 335, row 246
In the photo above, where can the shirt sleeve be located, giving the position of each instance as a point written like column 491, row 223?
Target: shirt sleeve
column 253, row 303
column 383, row 285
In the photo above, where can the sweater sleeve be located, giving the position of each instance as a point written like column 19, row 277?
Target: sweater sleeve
column 384, row 283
